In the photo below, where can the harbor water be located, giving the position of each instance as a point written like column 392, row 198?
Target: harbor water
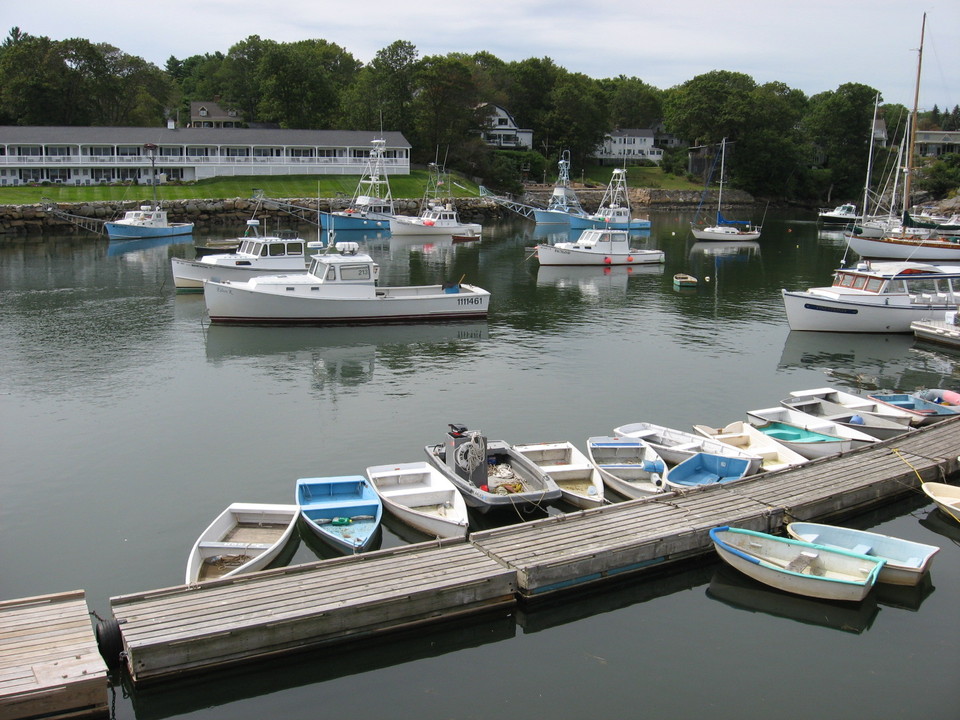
column 129, row 423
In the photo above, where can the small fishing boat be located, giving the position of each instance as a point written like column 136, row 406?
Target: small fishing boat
column 947, row 497
column 797, row 567
column 683, row 281
column 906, row 561
column 283, row 253
column 563, row 202
column 340, row 287
column 614, row 212
column 422, row 497
column 840, row 215
column 491, row 474
column 579, row 481
column 675, row 446
column 628, row 466
column 706, row 469
column 856, row 403
column 598, row 247
column 848, row 438
column 372, row 204
column 438, row 215
column 343, row 511
column 874, row 425
column 469, row 236
column 244, row 538
column 744, row 436
column 923, row 411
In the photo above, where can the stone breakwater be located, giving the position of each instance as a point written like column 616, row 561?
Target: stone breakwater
column 37, row 219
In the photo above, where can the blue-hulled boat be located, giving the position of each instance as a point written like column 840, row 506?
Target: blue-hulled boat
column 796, row 566
column 923, row 411
column 614, row 210
column 372, row 205
column 707, row 469
column 344, row 511
column 906, row 561
column 564, row 203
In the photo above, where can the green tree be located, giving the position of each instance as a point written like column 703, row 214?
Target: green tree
column 710, row 107
column 239, row 81
column 632, row 102
column 578, row 117
column 530, row 83
column 382, row 93
column 445, row 108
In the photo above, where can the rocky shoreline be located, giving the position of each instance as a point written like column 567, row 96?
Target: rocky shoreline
column 75, row 218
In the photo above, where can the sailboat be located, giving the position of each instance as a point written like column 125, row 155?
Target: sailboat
column 614, row 211
column 372, row 203
column 148, row 221
column 564, row 203
column 912, row 240
column 725, row 229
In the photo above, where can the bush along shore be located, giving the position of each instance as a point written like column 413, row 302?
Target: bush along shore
column 74, row 218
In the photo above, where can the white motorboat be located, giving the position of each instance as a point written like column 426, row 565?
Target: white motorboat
column 628, row 466
column 796, row 566
column 598, row 247
column 614, row 212
column 340, row 287
column 906, row 562
column 881, row 297
column 438, row 216
column 422, row 497
column 840, row 215
column 724, row 229
column 773, row 455
column 579, row 481
column 675, row 446
column 244, row 538
column 256, row 255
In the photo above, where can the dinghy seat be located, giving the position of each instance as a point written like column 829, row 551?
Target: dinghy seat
column 211, row 545
column 805, row 562
column 687, row 446
column 861, row 549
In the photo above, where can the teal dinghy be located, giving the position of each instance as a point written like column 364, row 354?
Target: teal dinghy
column 808, row 443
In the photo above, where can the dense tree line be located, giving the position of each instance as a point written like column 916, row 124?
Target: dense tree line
column 783, row 143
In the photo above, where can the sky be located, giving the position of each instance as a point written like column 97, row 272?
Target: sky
column 813, row 46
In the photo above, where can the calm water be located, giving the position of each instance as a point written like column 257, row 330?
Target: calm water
column 129, row 423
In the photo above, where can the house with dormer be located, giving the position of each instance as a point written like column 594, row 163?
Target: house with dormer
column 628, row 146
column 210, row 114
column 502, row 131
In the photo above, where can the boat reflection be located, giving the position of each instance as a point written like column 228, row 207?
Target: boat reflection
column 736, row 590
column 122, row 247
column 939, row 522
column 743, row 249
column 593, row 281
column 904, row 597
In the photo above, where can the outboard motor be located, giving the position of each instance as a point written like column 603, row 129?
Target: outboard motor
column 466, row 454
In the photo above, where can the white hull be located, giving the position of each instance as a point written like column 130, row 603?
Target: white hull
column 810, row 311
column 629, row 467
column 811, row 422
column 192, row 274
column 905, row 248
column 579, row 481
column 744, row 436
column 675, row 446
column 947, row 497
column 905, row 562
column 857, row 403
column 797, row 567
column 272, row 303
column 422, row 497
column 725, row 234
column 554, row 255
column 244, row 538
column 416, row 226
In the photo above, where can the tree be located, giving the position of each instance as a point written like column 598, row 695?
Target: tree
column 578, row 117
column 382, row 94
column 710, row 107
column 445, row 108
column 632, row 103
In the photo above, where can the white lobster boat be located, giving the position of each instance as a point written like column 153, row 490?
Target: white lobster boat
column 598, row 247
column 340, row 287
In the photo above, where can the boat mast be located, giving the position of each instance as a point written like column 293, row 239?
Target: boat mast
column 723, row 157
column 913, row 124
column 866, row 185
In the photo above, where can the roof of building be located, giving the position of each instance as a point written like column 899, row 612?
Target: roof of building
column 194, row 136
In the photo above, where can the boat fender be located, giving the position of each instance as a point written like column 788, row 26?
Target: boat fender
column 856, row 420
column 607, row 260
column 653, row 466
column 110, row 642
column 629, row 258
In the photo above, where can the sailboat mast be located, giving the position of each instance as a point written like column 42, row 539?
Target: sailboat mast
column 913, row 124
column 723, row 157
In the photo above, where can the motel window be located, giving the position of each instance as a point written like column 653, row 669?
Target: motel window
column 128, row 150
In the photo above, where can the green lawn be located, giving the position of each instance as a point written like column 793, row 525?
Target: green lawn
column 299, row 186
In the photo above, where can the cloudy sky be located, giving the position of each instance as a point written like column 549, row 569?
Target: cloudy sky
column 813, row 46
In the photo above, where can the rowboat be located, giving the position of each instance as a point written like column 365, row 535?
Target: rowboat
column 856, row 403
column 873, row 425
column 491, row 474
column 810, row 436
column 947, row 497
column 244, row 538
column 706, row 469
column 343, row 511
column 797, row 567
column 906, row 561
column 579, row 481
column 628, row 466
column 422, row 497
column 773, row 455
column 675, row 446
column 683, row 281
column 923, row 411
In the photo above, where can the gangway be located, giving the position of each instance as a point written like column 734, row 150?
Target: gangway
column 526, row 210
column 91, row 224
column 306, row 214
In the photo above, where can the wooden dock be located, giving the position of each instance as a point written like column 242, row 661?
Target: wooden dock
column 50, row 665
column 169, row 632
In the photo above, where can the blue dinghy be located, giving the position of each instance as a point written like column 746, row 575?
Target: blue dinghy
column 706, row 469
column 343, row 511
column 923, row 411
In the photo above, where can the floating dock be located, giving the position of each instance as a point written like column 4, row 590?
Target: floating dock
column 50, row 665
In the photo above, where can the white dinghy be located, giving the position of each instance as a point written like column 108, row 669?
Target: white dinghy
column 422, row 497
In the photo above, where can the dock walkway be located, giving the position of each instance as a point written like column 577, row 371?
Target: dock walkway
column 50, row 665
column 189, row 628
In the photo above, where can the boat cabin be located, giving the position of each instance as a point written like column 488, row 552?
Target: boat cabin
column 346, row 266
column 591, row 239
column 284, row 244
column 922, row 283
